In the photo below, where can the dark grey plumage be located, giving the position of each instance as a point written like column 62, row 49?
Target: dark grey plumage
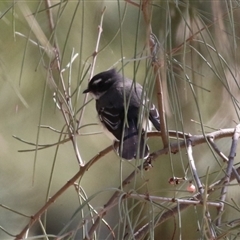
column 108, row 88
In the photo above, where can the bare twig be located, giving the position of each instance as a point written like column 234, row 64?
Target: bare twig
column 173, row 200
column 141, row 232
column 174, row 147
column 112, row 201
column 199, row 185
column 231, row 157
column 225, row 158
column 94, row 56
column 83, row 197
column 153, row 47
column 71, row 182
column 63, row 100
column 193, row 167
column 195, row 140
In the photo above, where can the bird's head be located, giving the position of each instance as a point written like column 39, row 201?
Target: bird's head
column 101, row 83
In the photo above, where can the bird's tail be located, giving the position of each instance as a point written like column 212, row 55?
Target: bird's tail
column 131, row 147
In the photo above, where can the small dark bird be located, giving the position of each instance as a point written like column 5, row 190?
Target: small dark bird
column 125, row 125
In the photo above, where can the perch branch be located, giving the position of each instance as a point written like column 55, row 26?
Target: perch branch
column 174, row 147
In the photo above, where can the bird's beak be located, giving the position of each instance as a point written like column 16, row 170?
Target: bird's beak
column 86, row 91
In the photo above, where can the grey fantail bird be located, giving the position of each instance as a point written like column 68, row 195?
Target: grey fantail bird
column 124, row 120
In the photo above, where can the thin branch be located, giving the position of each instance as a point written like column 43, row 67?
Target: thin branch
column 193, row 167
column 94, row 55
column 199, row 186
column 225, row 158
column 14, row 211
column 83, row 197
column 154, row 47
column 195, row 140
column 174, row 147
column 231, row 157
column 141, row 232
column 8, row 233
column 40, row 146
column 112, row 201
column 68, row 114
column 71, row 182
column 190, row 201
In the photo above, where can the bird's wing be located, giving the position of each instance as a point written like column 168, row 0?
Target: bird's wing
column 136, row 101
column 111, row 118
column 154, row 117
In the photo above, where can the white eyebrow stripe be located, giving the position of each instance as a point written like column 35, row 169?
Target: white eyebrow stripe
column 97, row 81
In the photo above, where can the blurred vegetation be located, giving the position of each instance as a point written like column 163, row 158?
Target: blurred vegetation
column 44, row 44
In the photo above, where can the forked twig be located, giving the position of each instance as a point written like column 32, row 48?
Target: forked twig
column 229, row 170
